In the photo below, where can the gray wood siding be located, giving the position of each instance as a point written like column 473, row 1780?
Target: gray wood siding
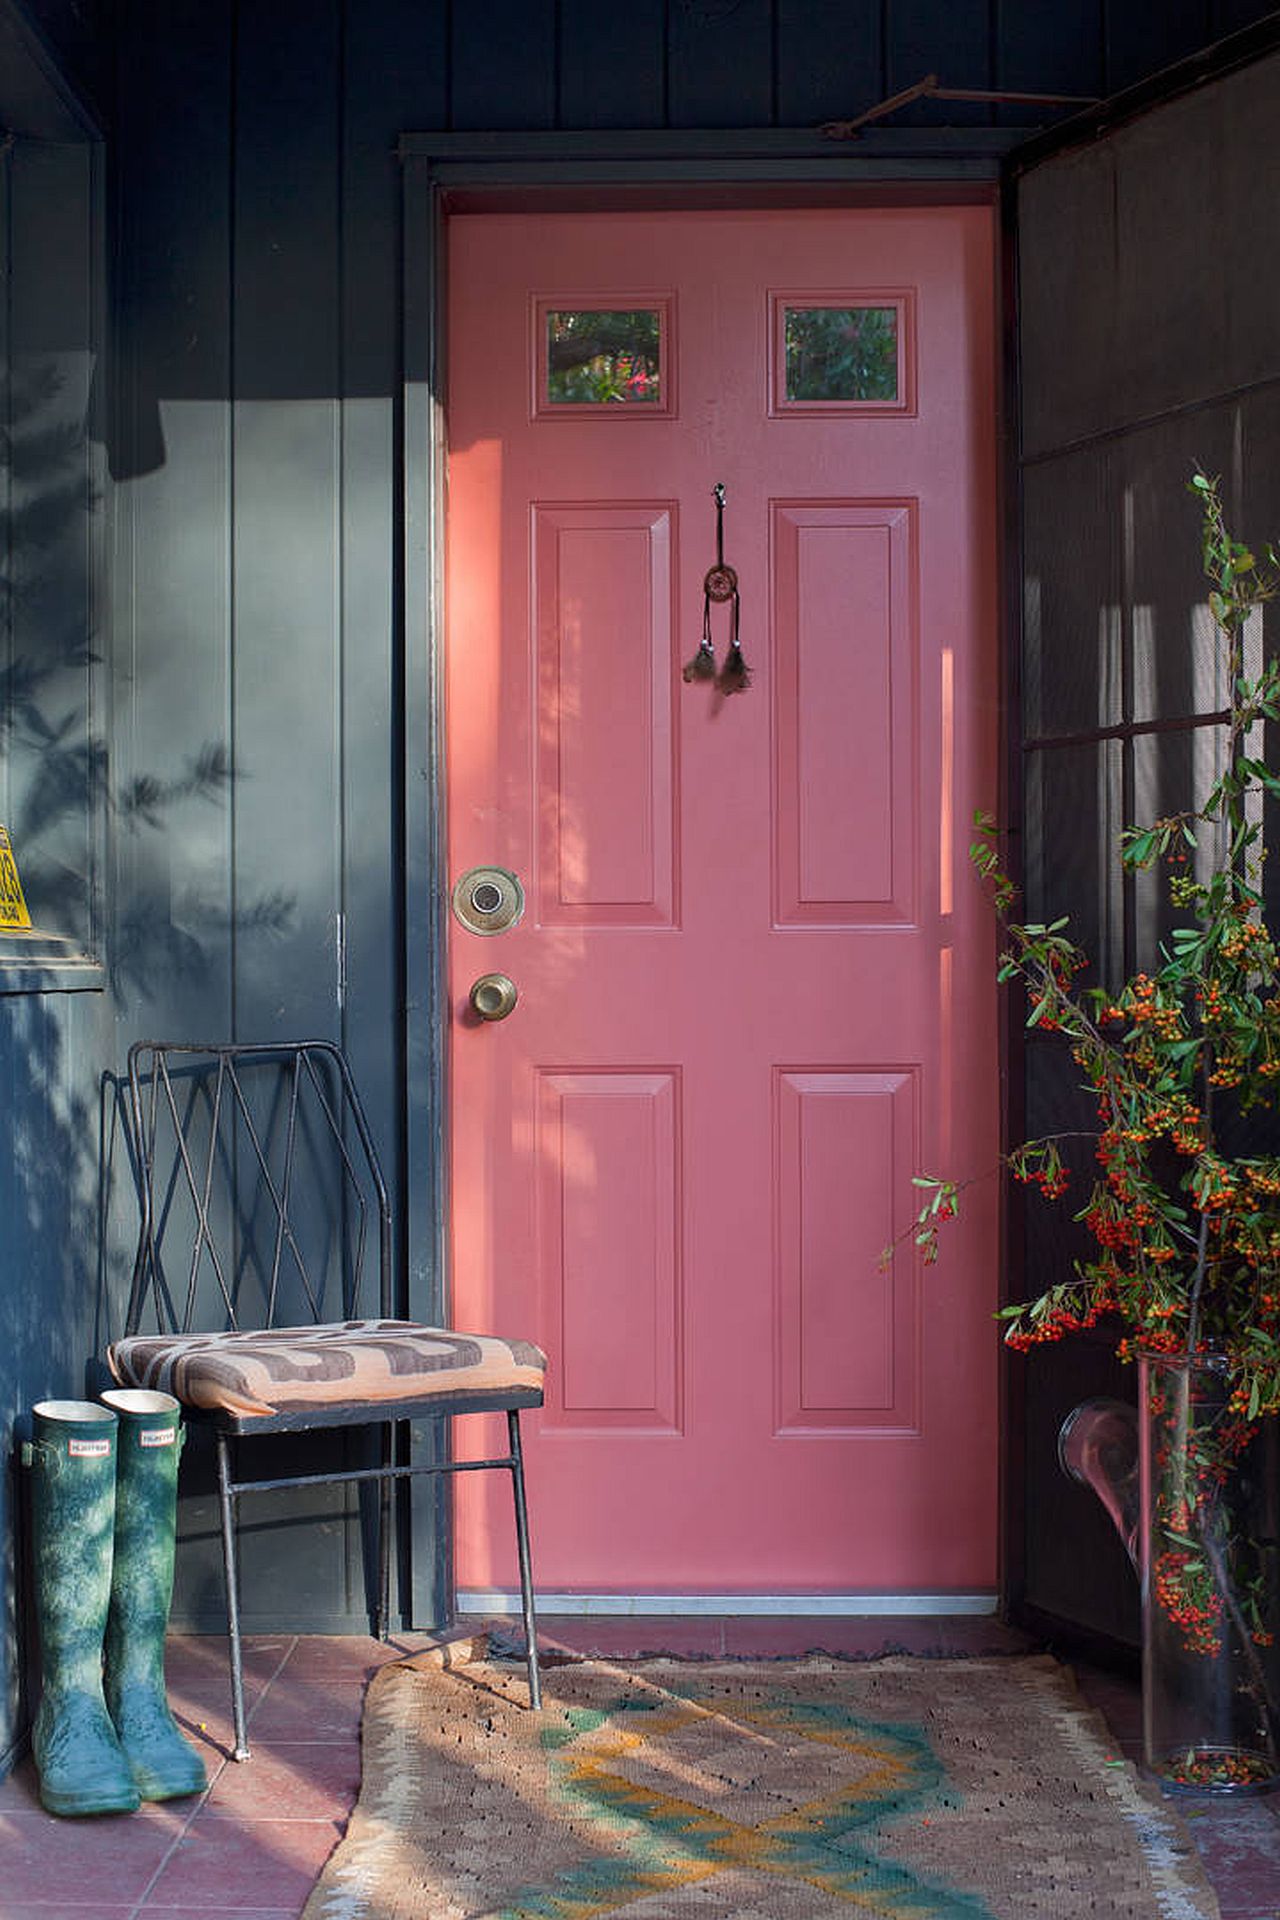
column 55, row 63
column 54, row 1046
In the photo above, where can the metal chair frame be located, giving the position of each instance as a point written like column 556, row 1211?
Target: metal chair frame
column 317, row 1066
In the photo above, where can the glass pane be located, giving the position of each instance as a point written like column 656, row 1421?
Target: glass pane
column 841, row 353
column 604, row 356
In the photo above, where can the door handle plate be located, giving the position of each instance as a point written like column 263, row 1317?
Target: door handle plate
column 488, row 899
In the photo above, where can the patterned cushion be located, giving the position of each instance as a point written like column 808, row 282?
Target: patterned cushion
column 293, row 1368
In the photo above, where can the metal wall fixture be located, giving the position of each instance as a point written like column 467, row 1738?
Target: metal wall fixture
column 493, row 996
column 488, row 899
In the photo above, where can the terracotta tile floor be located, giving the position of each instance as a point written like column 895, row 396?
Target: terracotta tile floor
column 251, row 1848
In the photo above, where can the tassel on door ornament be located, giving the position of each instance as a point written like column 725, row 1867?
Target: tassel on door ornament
column 735, row 675
column 703, row 664
column 720, row 584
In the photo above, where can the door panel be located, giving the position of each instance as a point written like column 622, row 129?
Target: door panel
column 848, row 1342
column 755, row 994
column 608, row 1180
column 606, row 791
column 844, row 712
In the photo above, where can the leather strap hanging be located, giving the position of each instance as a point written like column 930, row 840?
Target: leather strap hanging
column 720, row 584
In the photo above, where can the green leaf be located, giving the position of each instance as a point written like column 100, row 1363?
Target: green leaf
column 1138, row 849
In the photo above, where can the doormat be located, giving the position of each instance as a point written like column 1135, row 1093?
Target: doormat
column 916, row 1790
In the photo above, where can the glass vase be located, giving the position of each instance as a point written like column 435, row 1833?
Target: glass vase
column 1210, row 1566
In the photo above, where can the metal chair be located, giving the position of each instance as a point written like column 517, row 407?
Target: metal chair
column 263, row 1204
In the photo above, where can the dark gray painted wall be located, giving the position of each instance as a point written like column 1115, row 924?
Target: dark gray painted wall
column 55, row 67
column 1174, row 328
column 253, row 572
column 54, row 729
column 54, row 732
column 253, row 731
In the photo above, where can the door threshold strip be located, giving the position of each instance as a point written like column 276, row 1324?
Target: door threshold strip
column 483, row 1600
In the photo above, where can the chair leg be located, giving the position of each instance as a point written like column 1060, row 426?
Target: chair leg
column 226, row 1504
column 385, row 1528
column 526, row 1570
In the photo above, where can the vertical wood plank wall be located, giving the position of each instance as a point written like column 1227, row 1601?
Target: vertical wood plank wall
column 254, row 504
column 54, row 1047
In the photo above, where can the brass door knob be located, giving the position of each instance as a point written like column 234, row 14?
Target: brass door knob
column 493, row 996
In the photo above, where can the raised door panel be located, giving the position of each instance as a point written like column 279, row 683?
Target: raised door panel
column 605, row 721
column 608, row 1183
column 846, row 1314
column 844, row 594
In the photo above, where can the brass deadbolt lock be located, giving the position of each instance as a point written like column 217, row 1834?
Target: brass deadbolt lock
column 493, row 996
column 488, row 900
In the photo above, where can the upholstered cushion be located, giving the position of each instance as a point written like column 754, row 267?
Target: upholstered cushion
column 295, row 1368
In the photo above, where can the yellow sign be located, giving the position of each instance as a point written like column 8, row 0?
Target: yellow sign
column 13, row 908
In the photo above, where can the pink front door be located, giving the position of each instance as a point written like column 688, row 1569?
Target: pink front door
column 755, row 975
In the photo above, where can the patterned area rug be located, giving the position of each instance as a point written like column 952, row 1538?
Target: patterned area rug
column 912, row 1789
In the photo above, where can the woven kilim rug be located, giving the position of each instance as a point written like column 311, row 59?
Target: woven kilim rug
column 912, row 1789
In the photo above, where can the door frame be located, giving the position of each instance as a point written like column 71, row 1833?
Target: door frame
column 577, row 172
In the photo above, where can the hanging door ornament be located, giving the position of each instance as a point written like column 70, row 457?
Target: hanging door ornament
column 720, row 584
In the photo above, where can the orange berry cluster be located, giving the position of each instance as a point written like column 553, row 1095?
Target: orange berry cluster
column 1150, row 1340
column 1160, row 1312
column 1117, row 1231
column 1198, row 1616
column 1214, row 1185
column 1177, row 1117
column 1145, row 1007
column 1250, row 944
column 1022, row 1335
column 1052, row 1181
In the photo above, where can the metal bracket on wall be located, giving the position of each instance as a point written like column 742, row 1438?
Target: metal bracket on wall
column 930, row 88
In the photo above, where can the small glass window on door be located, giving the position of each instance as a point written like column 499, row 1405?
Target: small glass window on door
column 843, row 352
column 603, row 356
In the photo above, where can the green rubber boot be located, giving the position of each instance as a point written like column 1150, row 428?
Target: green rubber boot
column 164, row 1764
column 72, row 1459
